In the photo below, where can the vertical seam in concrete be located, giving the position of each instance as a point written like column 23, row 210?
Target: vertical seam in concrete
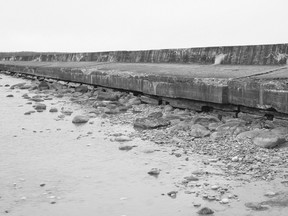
column 261, row 90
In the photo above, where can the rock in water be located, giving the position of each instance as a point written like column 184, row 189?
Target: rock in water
column 268, row 139
column 154, row 172
column 205, row 211
column 80, row 119
column 43, row 86
column 199, row 131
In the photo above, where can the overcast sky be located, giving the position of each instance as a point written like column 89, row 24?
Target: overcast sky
column 104, row 25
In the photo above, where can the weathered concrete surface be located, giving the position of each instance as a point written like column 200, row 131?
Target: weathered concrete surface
column 272, row 54
column 250, row 86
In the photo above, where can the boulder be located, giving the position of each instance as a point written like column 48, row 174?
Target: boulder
column 81, row 89
column 110, row 96
column 149, row 100
column 268, row 139
column 199, row 131
column 248, row 134
column 43, row 86
column 151, row 123
column 80, row 119
column 155, row 115
column 205, row 120
column 18, row 85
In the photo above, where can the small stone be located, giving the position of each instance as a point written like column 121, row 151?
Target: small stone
column 235, row 159
column 172, row 194
column 80, row 119
column 256, row 206
column 125, row 147
column 197, row 205
column 270, row 194
column 42, row 185
column 224, row 201
column 40, row 106
column 154, row 172
column 191, row 178
column 122, row 139
column 53, row 109
column 23, row 198
column 215, row 187
column 53, row 202
column 205, row 211
column 10, row 95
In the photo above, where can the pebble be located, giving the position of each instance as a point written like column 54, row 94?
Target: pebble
column 224, row 201
column 205, row 211
column 215, row 187
column 154, row 172
column 235, row 159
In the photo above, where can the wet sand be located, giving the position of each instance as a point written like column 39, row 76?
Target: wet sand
column 50, row 166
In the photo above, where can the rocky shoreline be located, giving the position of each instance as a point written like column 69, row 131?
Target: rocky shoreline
column 248, row 148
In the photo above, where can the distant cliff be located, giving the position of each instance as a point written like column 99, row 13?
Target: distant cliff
column 274, row 54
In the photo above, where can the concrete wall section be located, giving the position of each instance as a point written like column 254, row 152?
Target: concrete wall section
column 274, row 54
column 259, row 93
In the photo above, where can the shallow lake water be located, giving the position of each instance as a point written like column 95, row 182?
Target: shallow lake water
column 53, row 167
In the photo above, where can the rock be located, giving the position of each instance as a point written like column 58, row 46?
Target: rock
column 256, row 206
column 191, row 178
column 154, row 172
column 43, row 86
column 172, row 194
column 149, row 100
column 283, row 131
column 199, row 131
column 122, row 139
column 248, row 134
column 168, row 108
column 10, row 95
column 224, row 201
column 53, row 109
column 268, row 139
column 126, row 147
column 80, row 119
column 205, row 120
column 150, row 123
column 205, row 211
column 133, row 101
column 215, row 187
column 184, row 126
column 67, row 112
column 26, row 86
column 81, row 89
column 213, row 126
column 270, row 194
column 155, row 115
column 110, row 96
column 16, row 85
column 235, row 159
column 39, row 106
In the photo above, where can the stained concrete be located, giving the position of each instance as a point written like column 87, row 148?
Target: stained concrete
column 252, row 86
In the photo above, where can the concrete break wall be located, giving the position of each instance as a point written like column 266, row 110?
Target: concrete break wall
column 180, row 91
column 274, row 54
